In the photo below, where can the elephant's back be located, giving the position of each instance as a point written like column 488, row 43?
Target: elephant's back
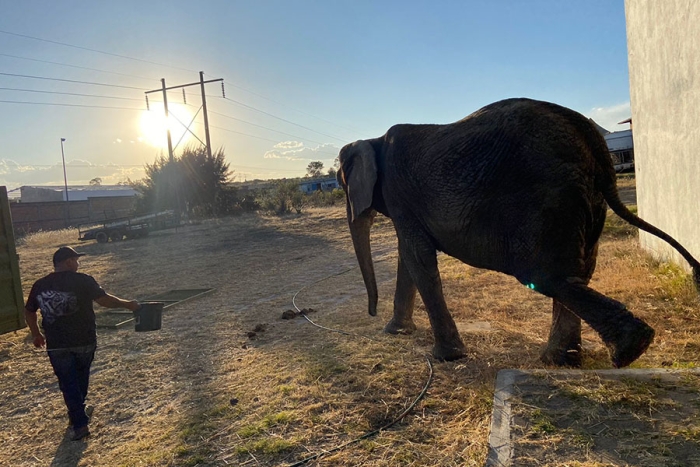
column 503, row 180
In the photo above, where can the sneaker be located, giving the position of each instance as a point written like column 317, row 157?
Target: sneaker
column 81, row 433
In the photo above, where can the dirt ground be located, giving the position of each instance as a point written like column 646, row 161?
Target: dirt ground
column 226, row 381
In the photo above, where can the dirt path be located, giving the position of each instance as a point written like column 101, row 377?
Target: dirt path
column 146, row 386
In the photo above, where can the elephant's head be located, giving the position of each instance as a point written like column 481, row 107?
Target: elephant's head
column 358, row 176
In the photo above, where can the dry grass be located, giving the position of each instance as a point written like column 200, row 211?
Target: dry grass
column 594, row 420
column 202, row 392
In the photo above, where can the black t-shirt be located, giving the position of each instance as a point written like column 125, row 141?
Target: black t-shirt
column 65, row 300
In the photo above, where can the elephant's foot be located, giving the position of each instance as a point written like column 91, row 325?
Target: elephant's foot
column 400, row 327
column 632, row 339
column 564, row 345
column 449, row 352
column 568, row 356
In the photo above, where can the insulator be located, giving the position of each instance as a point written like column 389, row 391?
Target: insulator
column 184, row 96
column 148, row 107
column 223, row 91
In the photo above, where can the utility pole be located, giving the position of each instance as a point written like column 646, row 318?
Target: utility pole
column 65, row 179
column 66, row 212
column 204, row 111
column 167, row 119
column 201, row 84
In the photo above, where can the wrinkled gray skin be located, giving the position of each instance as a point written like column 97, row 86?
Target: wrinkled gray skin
column 520, row 187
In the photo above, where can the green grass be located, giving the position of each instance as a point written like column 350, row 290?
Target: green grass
column 541, row 423
column 269, row 421
column 266, row 446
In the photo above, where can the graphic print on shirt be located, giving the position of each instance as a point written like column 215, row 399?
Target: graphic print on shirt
column 55, row 304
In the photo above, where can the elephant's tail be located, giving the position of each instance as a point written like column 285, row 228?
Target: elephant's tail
column 608, row 186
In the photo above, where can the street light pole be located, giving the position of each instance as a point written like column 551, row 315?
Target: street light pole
column 65, row 179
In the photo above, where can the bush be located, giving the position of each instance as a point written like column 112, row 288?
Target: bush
column 283, row 197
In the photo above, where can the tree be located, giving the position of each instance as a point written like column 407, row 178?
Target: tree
column 314, row 169
column 97, row 181
column 204, row 178
column 157, row 190
column 193, row 183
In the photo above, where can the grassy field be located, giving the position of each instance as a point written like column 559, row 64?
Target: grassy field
column 228, row 382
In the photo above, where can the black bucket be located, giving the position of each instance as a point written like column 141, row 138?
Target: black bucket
column 148, row 316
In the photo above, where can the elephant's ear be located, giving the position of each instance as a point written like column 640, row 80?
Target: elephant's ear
column 359, row 167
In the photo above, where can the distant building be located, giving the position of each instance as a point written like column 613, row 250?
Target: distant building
column 37, row 194
column 621, row 147
column 326, row 184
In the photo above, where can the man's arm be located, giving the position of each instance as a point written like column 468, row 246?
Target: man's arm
column 110, row 301
column 31, row 320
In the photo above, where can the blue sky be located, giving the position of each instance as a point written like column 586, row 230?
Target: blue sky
column 302, row 78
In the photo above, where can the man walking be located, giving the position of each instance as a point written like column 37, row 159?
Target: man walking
column 65, row 299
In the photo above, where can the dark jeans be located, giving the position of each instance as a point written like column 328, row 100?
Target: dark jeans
column 72, row 368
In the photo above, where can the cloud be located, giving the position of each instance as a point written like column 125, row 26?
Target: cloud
column 117, row 141
column 79, row 172
column 296, row 151
column 609, row 117
column 289, row 145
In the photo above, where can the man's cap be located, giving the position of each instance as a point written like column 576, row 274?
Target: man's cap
column 64, row 253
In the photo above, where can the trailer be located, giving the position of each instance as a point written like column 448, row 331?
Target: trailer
column 129, row 227
column 621, row 147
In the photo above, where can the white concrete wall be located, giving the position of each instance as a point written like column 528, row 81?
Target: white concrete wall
column 663, row 41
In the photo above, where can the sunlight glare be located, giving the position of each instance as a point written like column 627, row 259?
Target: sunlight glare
column 153, row 125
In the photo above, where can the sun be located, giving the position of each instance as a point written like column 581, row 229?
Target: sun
column 153, row 125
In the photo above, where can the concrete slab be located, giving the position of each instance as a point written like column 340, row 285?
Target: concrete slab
column 513, row 385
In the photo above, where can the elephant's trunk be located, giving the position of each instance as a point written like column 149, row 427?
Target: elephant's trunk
column 359, row 230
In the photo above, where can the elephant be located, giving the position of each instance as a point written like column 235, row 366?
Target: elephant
column 519, row 187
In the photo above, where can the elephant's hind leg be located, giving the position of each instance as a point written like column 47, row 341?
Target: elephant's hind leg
column 626, row 336
column 564, row 345
column 404, row 300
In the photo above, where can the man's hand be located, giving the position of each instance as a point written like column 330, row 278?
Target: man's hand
column 31, row 320
column 39, row 341
column 133, row 305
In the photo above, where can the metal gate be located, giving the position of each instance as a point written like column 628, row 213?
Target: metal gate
column 11, row 304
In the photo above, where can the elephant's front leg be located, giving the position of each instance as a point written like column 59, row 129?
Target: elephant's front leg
column 564, row 346
column 404, row 300
column 420, row 259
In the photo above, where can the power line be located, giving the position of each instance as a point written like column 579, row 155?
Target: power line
column 79, row 165
column 290, row 107
column 245, row 134
column 164, row 65
column 93, row 50
column 265, row 139
column 70, row 105
column 256, row 125
column 72, row 94
column 283, row 119
column 71, row 81
column 131, row 108
column 265, row 128
column 79, row 67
